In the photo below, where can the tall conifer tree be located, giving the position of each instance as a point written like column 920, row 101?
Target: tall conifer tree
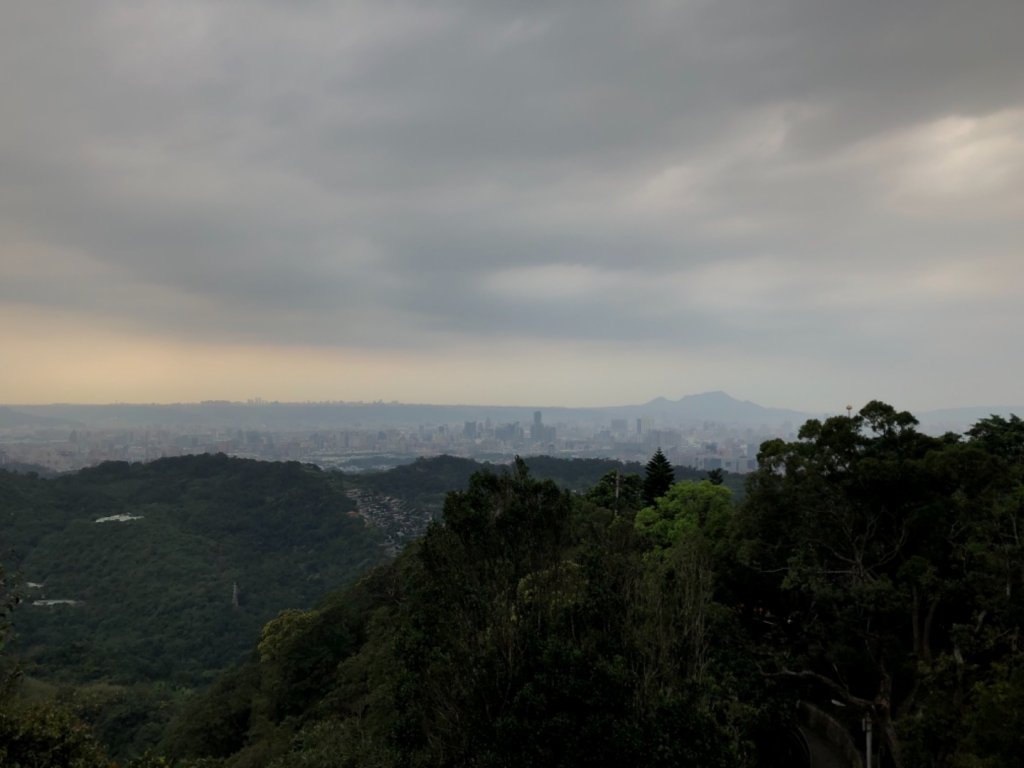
column 659, row 477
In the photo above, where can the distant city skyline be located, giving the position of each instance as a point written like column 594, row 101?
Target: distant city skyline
column 804, row 204
column 706, row 431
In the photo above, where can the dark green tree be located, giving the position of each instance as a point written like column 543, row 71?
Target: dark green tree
column 40, row 734
column 8, row 600
column 44, row 735
column 887, row 562
column 658, row 478
column 1000, row 437
column 618, row 492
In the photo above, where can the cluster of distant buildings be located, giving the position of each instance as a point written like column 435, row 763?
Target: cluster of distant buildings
column 705, row 446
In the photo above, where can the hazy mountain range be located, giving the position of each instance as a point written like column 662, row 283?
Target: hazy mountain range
column 717, row 407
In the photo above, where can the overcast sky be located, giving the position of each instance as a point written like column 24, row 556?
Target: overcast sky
column 802, row 202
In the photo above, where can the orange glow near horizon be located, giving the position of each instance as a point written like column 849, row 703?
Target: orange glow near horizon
column 60, row 358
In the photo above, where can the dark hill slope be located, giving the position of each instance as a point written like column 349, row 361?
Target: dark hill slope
column 154, row 585
column 424, row 483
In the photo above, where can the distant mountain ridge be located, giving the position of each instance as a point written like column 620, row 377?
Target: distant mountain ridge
column 721, row 407
column 11, row 417
column 715, row 406
column 709, row 406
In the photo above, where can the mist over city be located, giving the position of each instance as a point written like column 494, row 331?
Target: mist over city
column 705, row 431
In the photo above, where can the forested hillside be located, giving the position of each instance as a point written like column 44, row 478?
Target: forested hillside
column 426, row 482
column 422, row 486
column 872, row 573
column 140, row 582
column 170, row 568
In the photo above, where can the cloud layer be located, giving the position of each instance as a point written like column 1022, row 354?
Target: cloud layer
column 803, row 202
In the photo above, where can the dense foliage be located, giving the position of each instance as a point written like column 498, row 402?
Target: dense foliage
column 425, row 483
column 195, row 555
column 892, row 565
column 155, row 591
column 530, row 627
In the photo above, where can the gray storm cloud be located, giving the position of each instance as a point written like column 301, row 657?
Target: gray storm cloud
column 746, row 175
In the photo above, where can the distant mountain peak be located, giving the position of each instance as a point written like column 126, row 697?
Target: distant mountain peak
column 718, row 405
column 716, row 395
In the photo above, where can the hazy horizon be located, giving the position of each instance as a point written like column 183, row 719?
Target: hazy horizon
column 836, row 408
column 802, row 203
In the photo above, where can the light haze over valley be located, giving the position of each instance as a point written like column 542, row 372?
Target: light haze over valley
column 706, row 431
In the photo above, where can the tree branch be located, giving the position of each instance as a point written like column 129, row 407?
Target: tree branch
column 840, row 692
